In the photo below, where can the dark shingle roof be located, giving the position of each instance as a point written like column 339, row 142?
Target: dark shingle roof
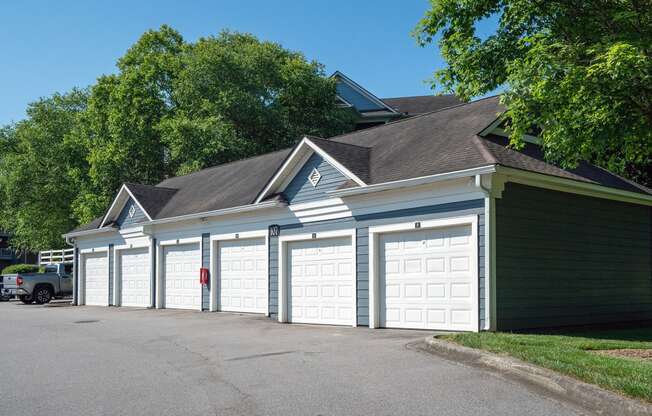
column 437, row 142
column 421, row 104
column 152, row 198
column 442, row 141
column 223, row 186
column 531, row 158
column 353, row 157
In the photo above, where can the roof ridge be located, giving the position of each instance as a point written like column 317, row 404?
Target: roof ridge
column 344, row 143
column 404, row 120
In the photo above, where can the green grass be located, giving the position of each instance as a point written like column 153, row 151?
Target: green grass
column 570, row 353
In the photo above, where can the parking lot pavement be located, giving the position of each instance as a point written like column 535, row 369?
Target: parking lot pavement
column 62, row 360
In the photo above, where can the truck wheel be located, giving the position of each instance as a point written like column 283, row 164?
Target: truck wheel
column 42, row 294
column 26, row 299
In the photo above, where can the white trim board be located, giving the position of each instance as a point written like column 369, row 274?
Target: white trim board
column 283, row 241
column 214, row 241
column 374, row 267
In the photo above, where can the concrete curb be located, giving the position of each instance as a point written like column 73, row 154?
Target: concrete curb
column 591, row 398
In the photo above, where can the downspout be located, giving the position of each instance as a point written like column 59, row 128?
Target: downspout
column 489, row 264
column 153, row 265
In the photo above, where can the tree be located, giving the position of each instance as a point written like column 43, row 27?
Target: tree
column 581, row 71
column 36, row 165
column 177, row 107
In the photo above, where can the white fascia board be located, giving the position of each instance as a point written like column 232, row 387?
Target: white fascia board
column 115, row 201
column 287, row 167
column 571, row 186
column 422, row 180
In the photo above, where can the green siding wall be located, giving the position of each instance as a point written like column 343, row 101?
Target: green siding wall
column 565, row 259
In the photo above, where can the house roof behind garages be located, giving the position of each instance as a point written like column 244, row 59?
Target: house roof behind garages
column 421, row 104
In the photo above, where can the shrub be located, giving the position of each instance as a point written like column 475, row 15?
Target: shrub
column 21, row 268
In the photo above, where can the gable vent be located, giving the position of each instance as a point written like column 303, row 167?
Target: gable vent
column 132, row 211
column 314, row 177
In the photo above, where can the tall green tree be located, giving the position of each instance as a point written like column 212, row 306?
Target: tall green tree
column 581, row 71
column 37, row 165
column 175, row 107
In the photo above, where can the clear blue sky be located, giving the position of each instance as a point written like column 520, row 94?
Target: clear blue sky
column 52, row 46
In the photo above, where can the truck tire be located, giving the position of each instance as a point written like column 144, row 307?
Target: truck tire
column 26, row 299
column 42, row 294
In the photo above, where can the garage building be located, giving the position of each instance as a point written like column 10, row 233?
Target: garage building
column 431, row 222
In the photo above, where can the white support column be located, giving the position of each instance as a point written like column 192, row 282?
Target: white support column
column 160, row 284
column 117, row 278
column 153, row 270
column 213, row 275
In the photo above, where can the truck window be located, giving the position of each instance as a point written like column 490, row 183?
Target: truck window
column 67, row 268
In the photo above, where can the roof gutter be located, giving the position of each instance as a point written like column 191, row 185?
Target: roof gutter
column 422, row 180
column 87, row 232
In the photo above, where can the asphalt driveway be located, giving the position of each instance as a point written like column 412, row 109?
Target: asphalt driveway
column 63, row 360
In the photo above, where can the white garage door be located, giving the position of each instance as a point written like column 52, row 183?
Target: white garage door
column 96, row 283
column 428, row 279
column 135, row 279
column 321, row 282
column 243, row 275
column 182, row 288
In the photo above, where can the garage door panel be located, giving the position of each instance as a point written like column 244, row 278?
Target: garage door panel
column 182, row 288
column 96, row 275
column 428, row 279
column 321, row 282
column 242, row 277
column 135, row 278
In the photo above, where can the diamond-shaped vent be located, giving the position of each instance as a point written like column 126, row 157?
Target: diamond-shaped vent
column 132, row 211
column 314, row 177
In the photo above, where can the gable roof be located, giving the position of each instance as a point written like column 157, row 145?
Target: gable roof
column 412, row 106
column 151, row 198
column 432, row 143
column 223, row 186
column 442, row 141
column 355, row 158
